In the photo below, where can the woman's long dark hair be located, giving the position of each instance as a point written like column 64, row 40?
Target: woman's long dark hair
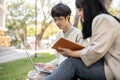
column 91, row 8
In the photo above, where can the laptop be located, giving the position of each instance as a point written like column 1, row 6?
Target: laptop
column 37, row 68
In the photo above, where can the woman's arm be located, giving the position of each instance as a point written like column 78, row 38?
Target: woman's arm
column 103, row 34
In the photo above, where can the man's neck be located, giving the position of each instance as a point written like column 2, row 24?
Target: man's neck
column 67, row 28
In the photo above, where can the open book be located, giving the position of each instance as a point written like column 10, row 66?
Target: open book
column 65, row 43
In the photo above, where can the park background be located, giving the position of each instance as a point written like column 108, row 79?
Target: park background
column 28, row 23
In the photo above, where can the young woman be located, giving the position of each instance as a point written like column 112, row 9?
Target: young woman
column 101, row 59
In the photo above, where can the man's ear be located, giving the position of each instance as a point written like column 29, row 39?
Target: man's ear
column 68, row 17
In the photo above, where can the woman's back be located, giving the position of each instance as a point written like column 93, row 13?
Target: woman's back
column 111, row 43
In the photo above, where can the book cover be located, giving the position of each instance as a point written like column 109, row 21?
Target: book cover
column 65, row 43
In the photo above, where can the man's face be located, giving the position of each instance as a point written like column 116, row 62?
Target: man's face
column 61, row 22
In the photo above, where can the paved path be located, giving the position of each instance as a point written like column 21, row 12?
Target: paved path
column 14, row 54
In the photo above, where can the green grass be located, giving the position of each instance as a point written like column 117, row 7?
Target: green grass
column 18, row 69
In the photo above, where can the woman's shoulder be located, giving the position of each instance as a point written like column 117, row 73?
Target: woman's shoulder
column 103, row 17
column 105, row 20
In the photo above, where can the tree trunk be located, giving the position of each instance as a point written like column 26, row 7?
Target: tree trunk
column 25, row 37
column 39, row 37
column 108, row 3
column 76, row 20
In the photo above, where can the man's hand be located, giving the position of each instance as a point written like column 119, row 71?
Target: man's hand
column 40, row 64
column 49, row 67
column 46, row 66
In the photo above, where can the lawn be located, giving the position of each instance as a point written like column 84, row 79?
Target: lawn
column 18, row 69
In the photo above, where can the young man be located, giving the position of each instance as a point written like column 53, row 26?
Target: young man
column 61, row 15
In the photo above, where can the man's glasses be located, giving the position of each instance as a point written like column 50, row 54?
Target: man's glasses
column 59, row 19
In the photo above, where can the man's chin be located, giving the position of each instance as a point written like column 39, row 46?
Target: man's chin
column 60, row 27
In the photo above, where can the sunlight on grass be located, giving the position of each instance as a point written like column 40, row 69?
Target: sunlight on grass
column 17, row 70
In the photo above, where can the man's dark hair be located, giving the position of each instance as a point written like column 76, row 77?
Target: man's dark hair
column 60, row 10
column 91, row 8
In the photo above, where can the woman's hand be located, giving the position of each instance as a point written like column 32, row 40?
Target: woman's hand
column 65, row 52
column 68, row 53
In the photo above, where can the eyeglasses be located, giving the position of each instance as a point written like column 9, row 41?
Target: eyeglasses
column 59, row 19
